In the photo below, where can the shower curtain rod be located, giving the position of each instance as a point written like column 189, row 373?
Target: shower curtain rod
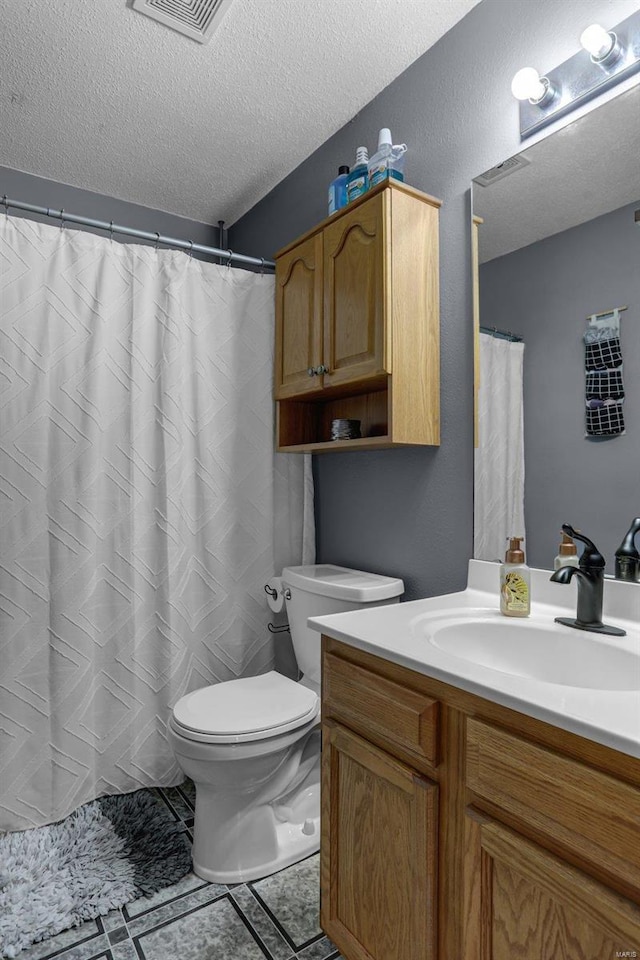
column 157, row 238
column 502, row 334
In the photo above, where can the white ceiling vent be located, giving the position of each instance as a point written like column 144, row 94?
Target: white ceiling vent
column 502, row 170
column 197, row 19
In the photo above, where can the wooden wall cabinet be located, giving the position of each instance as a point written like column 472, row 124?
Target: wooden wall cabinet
column 298, row 318
column 357, row 325
column 456, row 829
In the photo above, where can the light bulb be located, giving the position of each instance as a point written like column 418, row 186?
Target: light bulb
column 527, row 85
column 597, row 41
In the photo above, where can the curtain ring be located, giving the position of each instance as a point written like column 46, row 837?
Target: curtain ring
column 190, row 249
column 6, row 205
column 62, row 218
column 230, row 257
column 111, row 230
column 157, row 240
column 262, row 265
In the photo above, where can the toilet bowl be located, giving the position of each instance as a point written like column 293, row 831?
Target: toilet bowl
column 252, row 746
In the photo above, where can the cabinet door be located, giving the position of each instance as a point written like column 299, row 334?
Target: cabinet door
column 378, row 852
column 523, row 903
column 299, row 319
column 354, row 293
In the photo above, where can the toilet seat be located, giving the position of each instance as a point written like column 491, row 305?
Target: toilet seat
column 252, row 708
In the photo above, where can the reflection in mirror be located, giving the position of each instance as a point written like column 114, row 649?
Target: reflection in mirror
column 559, row 244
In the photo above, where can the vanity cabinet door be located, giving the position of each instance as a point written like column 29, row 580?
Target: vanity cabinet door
column 378, row 853
column 523, row 902
column 299, row 319
column 354, row 293
column 591, row 814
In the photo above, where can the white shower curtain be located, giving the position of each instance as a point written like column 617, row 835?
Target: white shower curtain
column 499, row 458
column 143, row 507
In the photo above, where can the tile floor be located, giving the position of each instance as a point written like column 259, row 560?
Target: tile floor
column 275, row 918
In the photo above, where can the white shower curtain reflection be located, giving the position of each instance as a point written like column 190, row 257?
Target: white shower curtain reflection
column 499, row 458
column 143, row 506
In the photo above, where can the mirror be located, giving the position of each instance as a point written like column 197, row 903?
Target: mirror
column 558, row 243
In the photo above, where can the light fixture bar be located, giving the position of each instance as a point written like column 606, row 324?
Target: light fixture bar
column 581, row 78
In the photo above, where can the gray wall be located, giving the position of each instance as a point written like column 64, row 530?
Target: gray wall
column 545, row 292
column 409, row 512
column 49, row 193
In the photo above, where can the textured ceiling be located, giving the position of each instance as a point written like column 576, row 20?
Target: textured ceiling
column 580, row 172
column 95, row 95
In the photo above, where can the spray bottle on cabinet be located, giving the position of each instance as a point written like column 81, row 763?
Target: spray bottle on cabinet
column 358, row 179
column 388, row 161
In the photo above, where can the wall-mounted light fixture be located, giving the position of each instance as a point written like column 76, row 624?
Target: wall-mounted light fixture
column 529, row 85
column 602, row 45
column 607, row 57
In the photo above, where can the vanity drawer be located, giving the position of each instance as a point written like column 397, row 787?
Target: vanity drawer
column 381, row 708
column 589, row 812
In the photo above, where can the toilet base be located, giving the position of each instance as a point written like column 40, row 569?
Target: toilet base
column 295, row 834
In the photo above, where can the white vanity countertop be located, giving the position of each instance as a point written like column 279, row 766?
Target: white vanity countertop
column 610, row 717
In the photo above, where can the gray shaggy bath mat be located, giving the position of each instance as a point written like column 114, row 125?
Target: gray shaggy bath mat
column 105, row 854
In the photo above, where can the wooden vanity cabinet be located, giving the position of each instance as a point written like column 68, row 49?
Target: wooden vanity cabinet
column 526, row 902
column 520, row 840
column 380, row 835
column 561, row 872
column 379, row 815
column 357, row 325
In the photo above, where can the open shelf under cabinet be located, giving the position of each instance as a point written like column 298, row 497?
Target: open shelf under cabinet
column 305, row 425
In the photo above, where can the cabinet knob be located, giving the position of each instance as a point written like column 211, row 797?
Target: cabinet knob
column 311, row 371
column 322, row 369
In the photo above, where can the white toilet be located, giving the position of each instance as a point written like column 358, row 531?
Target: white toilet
column 252, row 746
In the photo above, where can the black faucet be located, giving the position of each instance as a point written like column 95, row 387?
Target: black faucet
column 590, row 576
column 627, row 557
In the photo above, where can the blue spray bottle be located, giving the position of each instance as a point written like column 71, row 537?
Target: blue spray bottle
column 358, row 179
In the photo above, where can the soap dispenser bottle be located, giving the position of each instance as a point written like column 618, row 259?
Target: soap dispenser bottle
column 567, row 554
column 515, row 580
column 627, row 556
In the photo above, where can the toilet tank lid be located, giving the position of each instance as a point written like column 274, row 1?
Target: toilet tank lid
column 343, row 583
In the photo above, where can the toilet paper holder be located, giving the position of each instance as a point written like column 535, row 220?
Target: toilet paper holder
column 273, row 593
column 286, row 593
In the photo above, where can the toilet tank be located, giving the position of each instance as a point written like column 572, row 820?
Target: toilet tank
column 319, row 589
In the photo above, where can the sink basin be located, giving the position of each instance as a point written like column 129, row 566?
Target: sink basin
column 539, row 651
